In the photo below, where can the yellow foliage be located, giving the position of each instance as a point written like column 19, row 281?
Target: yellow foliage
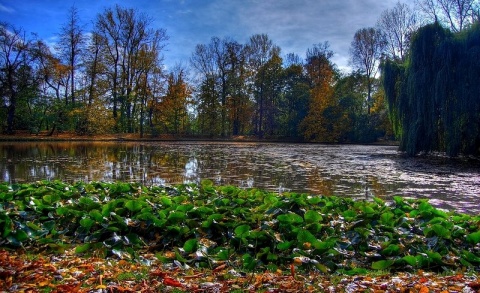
column 321, row 123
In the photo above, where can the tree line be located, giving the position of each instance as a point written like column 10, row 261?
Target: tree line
column 112, row 80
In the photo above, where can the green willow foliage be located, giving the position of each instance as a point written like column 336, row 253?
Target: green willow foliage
column 434, row 96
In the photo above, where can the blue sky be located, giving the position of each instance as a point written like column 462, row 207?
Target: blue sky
column 294, row 25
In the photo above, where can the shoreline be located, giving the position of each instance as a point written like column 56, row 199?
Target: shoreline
column 62, row 137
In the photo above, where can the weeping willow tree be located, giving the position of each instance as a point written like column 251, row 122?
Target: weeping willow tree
column 434, row 96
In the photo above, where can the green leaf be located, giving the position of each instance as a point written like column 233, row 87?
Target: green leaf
column 88, row 204
column 184, row 208
column 249, row 263
column 387, row 219
column 256, row 235
column 190, row 245
column 322, row 268
column 312, row 216
column 398, row 200
column 390, row 250
column 349, row 215
column 325, row 245
column 290, row 218
column 470, row 257
column 434, row 257
column 83, row 248
column 204, row 210
column 51, row 198
column 62, row 211
column 314, row 200
column 441, row 231
column 20, row 235
column 134, row 205
column 224, row 254
column 215, row 217
column 87, row 223
column 382, row 264
column 166, row 201
column 6, row 196
column 49, row 225
column 304, row 236
column 368, row 210
column 282, row 246
column 474, row 238
column 272, row 257
column 411, row 260
column 176, row 217
column 96, row 215
column 379, row 201
column 242, row 230
column 270, row 199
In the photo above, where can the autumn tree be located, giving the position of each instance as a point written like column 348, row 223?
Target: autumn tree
column 223, row 101
column 319, row 124
column 366, row 51
column 172, row 111
column 55, row 74
column 124, row 32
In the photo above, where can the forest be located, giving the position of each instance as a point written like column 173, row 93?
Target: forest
column 113, row 80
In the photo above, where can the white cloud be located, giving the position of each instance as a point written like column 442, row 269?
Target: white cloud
column 293, row 25
column 6, row 9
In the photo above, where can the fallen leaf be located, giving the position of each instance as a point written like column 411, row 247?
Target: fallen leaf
column 158, row 273
column 219, row 268
column 424, row 289
column 171, row 282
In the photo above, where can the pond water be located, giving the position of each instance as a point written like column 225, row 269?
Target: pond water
column 344, row 170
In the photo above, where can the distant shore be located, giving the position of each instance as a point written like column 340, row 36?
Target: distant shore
column 23, row 136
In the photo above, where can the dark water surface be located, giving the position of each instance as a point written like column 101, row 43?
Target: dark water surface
column 343, row 170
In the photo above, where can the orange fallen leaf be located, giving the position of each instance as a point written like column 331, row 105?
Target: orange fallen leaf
column 219, row 268
column 171, row 282
column 44, row 283
column 424, row 289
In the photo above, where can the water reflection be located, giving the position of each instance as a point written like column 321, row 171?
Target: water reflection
column 347, row 170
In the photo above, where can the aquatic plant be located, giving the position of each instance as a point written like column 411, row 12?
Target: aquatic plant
column 250, row 229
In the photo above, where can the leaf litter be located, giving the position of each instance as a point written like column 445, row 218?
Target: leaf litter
column 19, row 272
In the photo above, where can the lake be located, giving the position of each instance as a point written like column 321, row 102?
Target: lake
column 354, row 171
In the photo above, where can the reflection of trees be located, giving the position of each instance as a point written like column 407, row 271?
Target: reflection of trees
column 318, row 182
column 159, row 163
column 378, row 189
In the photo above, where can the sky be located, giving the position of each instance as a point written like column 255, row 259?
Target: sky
column 293, row 25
